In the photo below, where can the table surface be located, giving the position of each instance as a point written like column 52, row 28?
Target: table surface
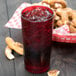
column 63, row 55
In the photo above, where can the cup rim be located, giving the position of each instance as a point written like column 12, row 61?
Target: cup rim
column 38, row 6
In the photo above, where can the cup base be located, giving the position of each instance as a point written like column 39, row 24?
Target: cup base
column 42, row 70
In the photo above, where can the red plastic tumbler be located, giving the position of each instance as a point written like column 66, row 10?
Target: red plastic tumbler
column 37, row 22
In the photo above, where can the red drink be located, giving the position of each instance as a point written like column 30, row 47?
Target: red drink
column 37, row 37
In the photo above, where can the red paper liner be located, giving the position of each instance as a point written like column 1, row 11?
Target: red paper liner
column 64, row 38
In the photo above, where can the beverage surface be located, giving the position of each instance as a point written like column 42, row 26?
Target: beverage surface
column 37, row 14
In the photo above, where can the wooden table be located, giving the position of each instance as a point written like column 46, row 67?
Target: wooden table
column 63, row 55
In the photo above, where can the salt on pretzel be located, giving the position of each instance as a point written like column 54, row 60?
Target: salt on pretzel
column 53, row 73
column 73, row 17
column 72, row 29
column 64, row 16
column 56, row 3
column 67, row 16
column 8, row 53
column 16, row 46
